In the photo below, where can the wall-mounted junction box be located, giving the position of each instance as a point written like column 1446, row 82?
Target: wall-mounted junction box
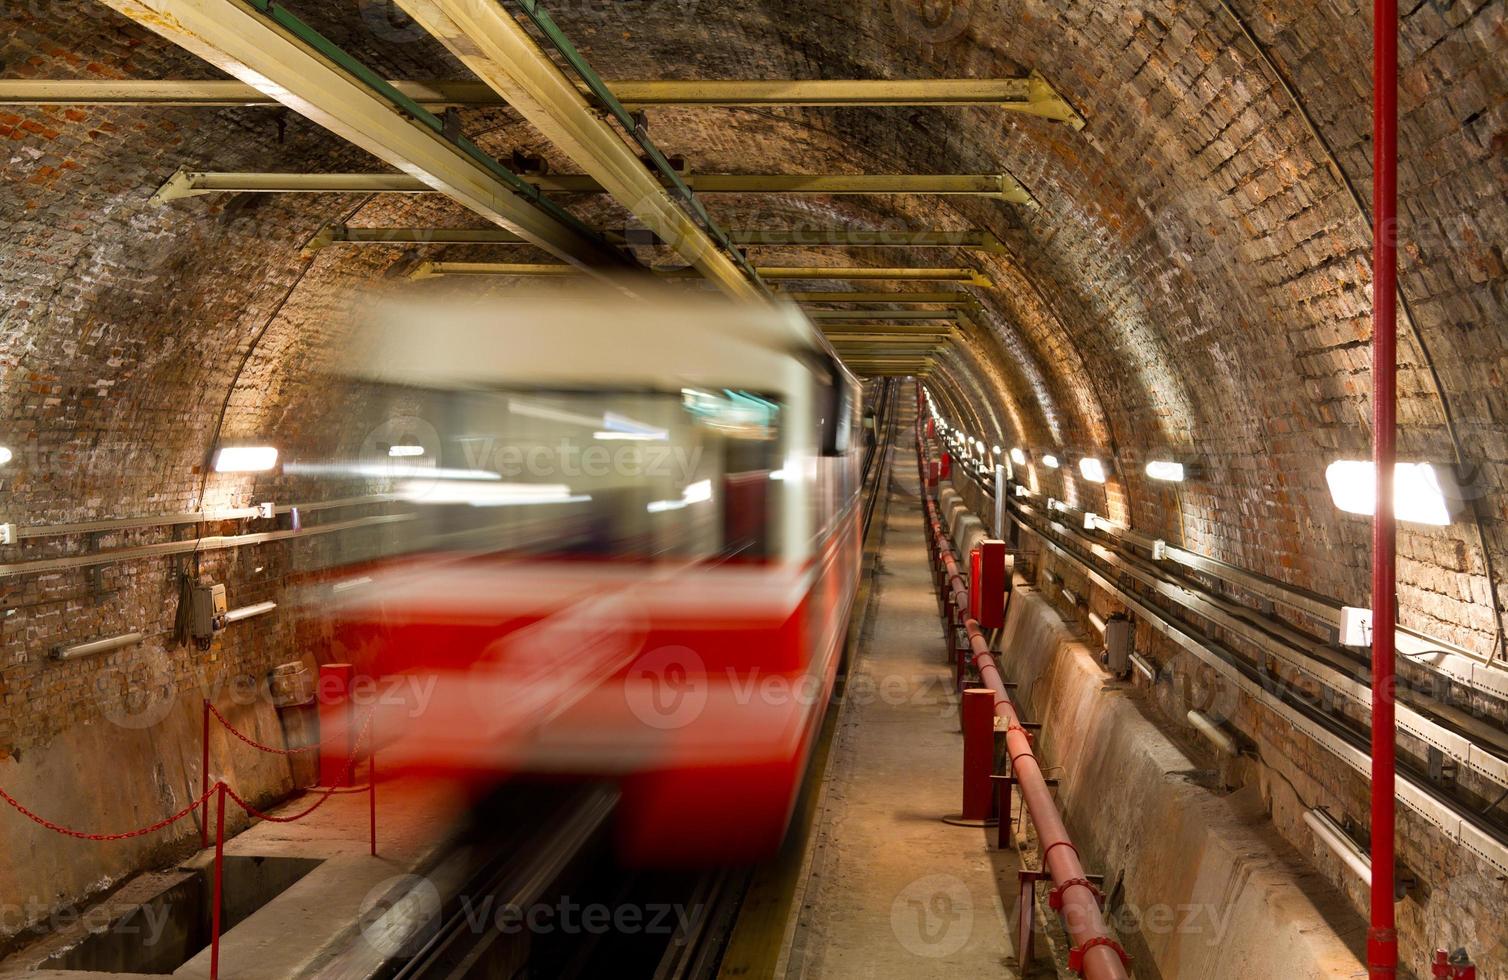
column 207, row 611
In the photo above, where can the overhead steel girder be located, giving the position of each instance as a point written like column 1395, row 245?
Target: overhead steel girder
column 921, row 340
column 1002, row 186
column 972, row 239
column 428, row 270
column 887, row 330
column 498, row 50
column 878, row 273
column 262, row 49
column 892, row 315
column 902, row 299
column 1032, row 95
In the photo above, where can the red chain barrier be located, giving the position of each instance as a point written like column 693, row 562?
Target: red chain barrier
column 81, row 835
column 253, row 742
column 329, row 792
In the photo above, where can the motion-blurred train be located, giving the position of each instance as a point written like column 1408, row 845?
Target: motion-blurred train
column 627, row 548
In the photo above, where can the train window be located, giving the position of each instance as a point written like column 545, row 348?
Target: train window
column 835, row 407
column 639, row 475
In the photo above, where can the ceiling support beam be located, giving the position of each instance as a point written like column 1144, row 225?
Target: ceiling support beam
column 973, row 239
column 266, row 47
column 1001, row 186
column 430, row 270
column 902, row 299
column 1032, row 95
column 891, row 315
column 497, row 49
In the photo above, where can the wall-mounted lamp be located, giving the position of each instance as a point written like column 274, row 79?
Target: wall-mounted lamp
column 1018, row 456
column 1165, row 469
column 1092, row 469
column 95, row 647
column 1050, row 461
column 245, row 459
column 5, row 455
column 246, row 612
column 1421, row 493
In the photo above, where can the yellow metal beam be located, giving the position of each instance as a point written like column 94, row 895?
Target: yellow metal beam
column 879, row 273
column 1032, row 95
column 426, row 270
column 895, row 316
column 1001, row 186
column 266, row 53
column 910, row 299
column 981, row 241
column 498, row 50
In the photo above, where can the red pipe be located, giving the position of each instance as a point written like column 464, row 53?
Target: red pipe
column 1382, row 939
column 1095, row 954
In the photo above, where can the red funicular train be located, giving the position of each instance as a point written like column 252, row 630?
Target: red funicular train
column 627, row 547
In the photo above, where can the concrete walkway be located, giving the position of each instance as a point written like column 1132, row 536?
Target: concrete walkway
column 892, row 890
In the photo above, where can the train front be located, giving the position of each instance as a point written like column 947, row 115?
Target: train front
column 602, row 562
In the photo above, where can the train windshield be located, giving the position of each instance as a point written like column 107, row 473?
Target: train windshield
column 636, row 475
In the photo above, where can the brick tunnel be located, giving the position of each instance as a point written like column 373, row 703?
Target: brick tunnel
column 1087, row 288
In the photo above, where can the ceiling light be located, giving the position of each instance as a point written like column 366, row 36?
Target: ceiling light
column 1092, row 469
column 1017, row 456
column 5, row 455
column 1163, row 469
column 245, row 459
column 1050, row 461
column 1421, row 494
column 405, row 450
column 995, row 450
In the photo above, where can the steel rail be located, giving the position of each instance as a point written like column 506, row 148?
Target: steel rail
column 1457, row 821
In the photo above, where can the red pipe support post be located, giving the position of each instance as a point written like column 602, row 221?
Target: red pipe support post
column 214, row 942
column 978, row 753
column 204, row 777
column 1382, row 939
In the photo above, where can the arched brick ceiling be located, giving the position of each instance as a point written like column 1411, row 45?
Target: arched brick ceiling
column 1196, row 281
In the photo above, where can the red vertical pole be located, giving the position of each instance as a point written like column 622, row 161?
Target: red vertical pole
column 1382, row 939
column 204, row 779
column 978, row 752
column 214, row 942
column 372, row 783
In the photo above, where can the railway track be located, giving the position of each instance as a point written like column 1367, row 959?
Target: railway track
column 1323, row 690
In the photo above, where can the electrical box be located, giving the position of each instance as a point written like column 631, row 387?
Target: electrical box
column 266, row 509
column 1355, row 627
column 9, row 534
column 1119, row 644
column 207, row 612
